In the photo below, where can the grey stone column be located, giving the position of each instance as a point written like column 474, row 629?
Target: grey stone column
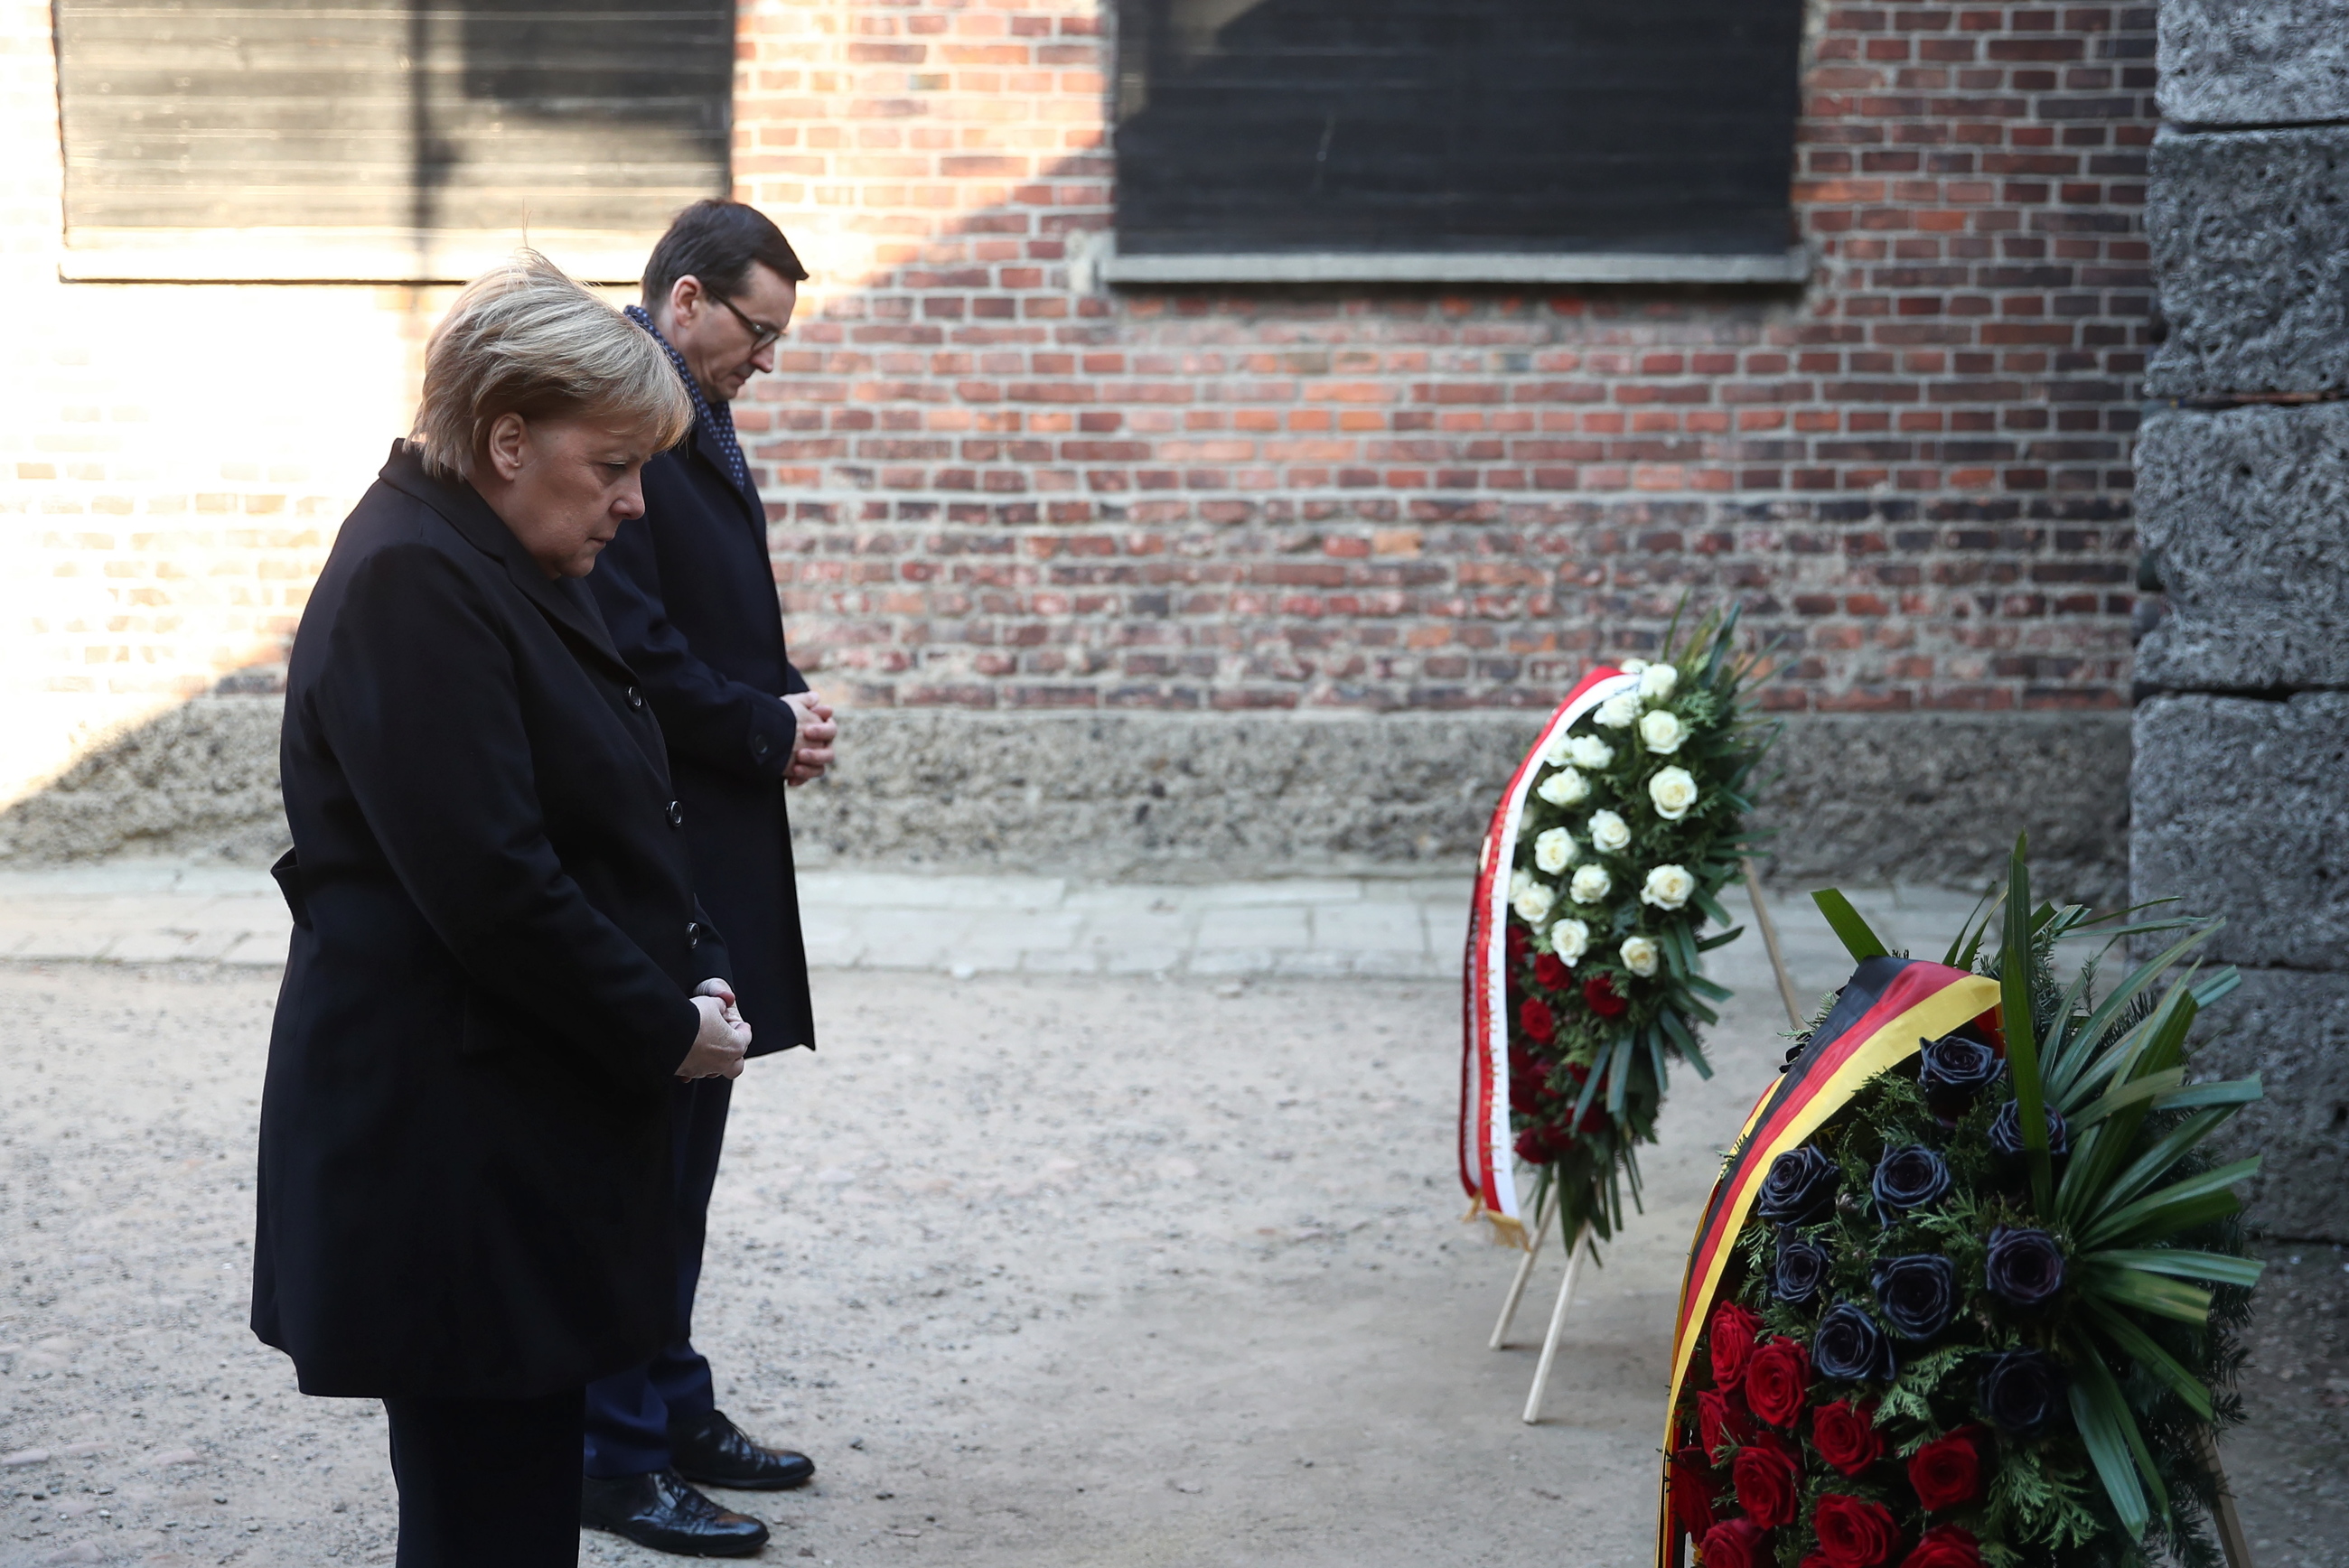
column 2239, row 789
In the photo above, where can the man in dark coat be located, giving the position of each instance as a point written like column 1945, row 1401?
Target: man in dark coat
column 690, row 599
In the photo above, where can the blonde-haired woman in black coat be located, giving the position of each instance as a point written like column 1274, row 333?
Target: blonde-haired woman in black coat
column 498, row 966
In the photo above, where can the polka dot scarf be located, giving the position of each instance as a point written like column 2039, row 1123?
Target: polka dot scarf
column 717, row 419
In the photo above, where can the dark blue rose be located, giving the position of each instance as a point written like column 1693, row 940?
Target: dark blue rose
column 2021, row 1391
column 2006, row 1132
column 1798, row 1271
column 1953, row 1072
column 1916, row 1294
column 1907, row 1179
column 1800, row 1188
column 1849, row 1345
column 2025, row 1267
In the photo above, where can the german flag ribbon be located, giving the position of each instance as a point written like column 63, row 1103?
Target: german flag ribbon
column 1488, row 1160
column 1889, row 1008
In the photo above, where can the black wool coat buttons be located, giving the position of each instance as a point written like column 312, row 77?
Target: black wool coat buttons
column 676, row 814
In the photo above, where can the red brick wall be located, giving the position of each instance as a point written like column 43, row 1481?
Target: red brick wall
column 992, row 487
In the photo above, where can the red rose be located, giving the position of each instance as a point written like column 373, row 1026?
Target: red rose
column 1947, row 1471
column 1515, row 940
column 1721, row 1419
column 1945, row 1546
column 1854, row 1535
column 1528, row 1082
column 1550, row 973
column 1733, row 1335
column 1540, row 1145
column 1692, row 1494
column 1846, row 1438
column 1765, row 1479
column 1598, row 995
column 1776, row 1378
column 1532, row 1016
column 1736, row 1543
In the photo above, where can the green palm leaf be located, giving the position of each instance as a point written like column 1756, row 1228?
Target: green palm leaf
column 2112, row 1437
column 2085, row 1041
column 2148, row 1353
column 2149, row 1292
column 2177, row 1207
column 2218, row 1268
column 1858, row 940
column 2015, row 1019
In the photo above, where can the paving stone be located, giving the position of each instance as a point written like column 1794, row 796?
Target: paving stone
column 1281, row 927
column 2243, row 511
column 2240, row 812
column 1395, row 927
column 2291, row 1029
column 2249, row 232
column 2253, row 62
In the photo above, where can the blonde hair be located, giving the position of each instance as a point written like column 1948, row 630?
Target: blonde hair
column 524, row 339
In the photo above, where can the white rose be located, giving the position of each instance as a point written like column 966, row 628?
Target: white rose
column 1674, row 792
column 1618, row 711
column 1564, row 787
column 1554, row 850
column 1639, row 956
column 1570, row 939
column 1608, row 832
column 1632, row 666
column 1590, row 883
column 1518, row 882
column 1589, row 751
column 1663, row 732
column 1657, row 681
column 1560, row 745
column 1533, row 901
column 1668, row 887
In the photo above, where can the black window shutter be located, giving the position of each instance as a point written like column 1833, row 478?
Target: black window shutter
column 1535, row 126
column 581, row 118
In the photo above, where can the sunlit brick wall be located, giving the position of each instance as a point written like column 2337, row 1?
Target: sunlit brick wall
column 996, row 485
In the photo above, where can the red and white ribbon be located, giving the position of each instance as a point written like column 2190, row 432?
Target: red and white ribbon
column 1487, row 1153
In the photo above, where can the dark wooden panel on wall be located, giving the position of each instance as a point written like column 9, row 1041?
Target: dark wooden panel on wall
column 1663, row 126
column 579, row 116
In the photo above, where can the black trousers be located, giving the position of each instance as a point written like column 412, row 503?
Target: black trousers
column 630, row 1413
column 487, row 1483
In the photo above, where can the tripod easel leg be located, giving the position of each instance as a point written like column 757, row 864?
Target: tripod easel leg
column 2231, row 1539
column 1770, row 941
column 1556, row 1325
column 1543, row 1214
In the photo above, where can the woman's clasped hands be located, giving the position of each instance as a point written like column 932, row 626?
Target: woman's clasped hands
column 717, row 1048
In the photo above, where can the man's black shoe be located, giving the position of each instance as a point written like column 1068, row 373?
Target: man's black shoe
column 714, row 1452
column 661, row 1511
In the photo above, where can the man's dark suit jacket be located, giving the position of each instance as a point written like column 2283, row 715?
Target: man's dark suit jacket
column 464, row 1130
column 690, row 598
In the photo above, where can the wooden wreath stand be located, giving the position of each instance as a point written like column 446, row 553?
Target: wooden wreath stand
column 2232, row 1541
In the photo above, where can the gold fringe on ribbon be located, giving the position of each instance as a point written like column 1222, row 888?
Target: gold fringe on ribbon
column 1499, row 1229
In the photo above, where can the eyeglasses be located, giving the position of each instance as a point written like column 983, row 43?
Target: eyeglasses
column 760, row 335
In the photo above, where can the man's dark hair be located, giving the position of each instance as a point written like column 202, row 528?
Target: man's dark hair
column 716, row 241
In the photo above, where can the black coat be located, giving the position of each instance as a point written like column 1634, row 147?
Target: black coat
column 690, row 598
column 464, row 1130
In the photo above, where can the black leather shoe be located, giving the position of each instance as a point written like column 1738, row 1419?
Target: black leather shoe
column 661, row 1511
column 713, row 1451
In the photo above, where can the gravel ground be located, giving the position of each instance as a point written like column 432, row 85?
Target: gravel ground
column 1041, row 1270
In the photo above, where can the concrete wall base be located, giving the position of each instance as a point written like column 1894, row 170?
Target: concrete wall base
column 1934, row 798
